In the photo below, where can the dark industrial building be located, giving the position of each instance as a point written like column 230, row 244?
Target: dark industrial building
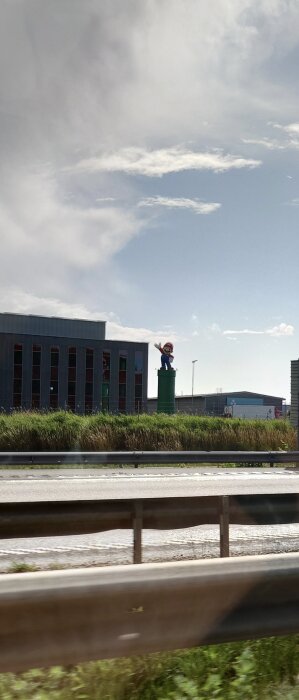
column 223, row 403
column 295, row 393
column 57, row 363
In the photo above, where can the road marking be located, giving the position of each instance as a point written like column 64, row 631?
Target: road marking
column 267, row 476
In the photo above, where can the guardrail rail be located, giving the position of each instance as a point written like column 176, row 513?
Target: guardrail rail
column 67, row 617
column 138, row 458
column 47, row 518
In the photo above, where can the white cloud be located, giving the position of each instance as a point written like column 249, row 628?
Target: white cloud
column 292, row 129
column 15, row 300
column 245, row 331
column 46, row 239
column 214, row 328
column 283, row 329
column 271, row 144
column 89, row 91
column 294, row 202
column 195, row 205
column 105, row 199
column 156, row 163
column 288, row 140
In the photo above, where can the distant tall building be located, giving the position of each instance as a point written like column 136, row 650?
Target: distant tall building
column 294, row 392
column 58, row 363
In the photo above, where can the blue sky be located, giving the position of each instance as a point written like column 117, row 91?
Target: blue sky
column 149, row 177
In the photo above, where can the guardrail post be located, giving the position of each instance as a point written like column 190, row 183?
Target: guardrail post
column 137, row 533
column 224, row 525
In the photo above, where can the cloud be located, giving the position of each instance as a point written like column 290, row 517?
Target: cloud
column 105, row 199
column 47, row 239
column 294, row 202
column 89, row 92
column 283, row 329
column 271, row 144
column 194, row 205
column 214, row 328
column 156, row 163
column 291, row 141
column 292, row 129
column 17, row 301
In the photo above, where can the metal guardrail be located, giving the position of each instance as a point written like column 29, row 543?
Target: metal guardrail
column 148, row 457
column 36, row 519
column 72, row 616
column 54, row 518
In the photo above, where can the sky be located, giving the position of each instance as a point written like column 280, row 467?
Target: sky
column 149, row 177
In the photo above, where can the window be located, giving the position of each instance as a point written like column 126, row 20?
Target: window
column 138, row 391
column 72, row 366
column 88, row 380
column 138, row 380
column 89, row 359
column 122, row 391
column 106, row 366
column 106, row 381
column 72, row 357
column 105, row 396
column 138, row 361
column 18, row 386
column 123, row 363
column 17, row 375
column 54, row 364
column 35, row 376
column 122, row 382
column 72, row 374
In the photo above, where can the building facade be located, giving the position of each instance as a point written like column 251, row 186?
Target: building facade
column 294, row 414
column 56, row 363
column 224, row 403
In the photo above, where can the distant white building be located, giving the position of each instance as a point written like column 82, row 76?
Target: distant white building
column 227, row 403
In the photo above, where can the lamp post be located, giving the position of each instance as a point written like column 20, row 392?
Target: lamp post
column 193, row 363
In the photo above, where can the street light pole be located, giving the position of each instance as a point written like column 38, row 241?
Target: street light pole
column 193, row 363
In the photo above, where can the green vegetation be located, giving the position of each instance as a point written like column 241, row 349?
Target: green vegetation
column 67, row 431
column 21, row 568
column 257, row 670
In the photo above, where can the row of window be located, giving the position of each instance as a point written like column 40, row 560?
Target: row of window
column 71, row 379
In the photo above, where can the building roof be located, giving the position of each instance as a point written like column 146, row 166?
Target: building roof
column 29, row 324
column 248, row 394
column 245, row 394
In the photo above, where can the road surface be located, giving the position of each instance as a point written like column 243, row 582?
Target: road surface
column 67, row 485
column 116, row 546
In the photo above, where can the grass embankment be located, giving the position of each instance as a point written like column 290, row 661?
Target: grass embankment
column 260, row 670
column 66, row 431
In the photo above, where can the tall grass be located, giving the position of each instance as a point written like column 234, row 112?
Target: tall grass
column 238, row 671
column 31, row 431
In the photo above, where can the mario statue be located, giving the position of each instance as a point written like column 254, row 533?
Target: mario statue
column 166, row 354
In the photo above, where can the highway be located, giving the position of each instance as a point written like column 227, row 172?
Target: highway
column 115, row 547
column 89, row 484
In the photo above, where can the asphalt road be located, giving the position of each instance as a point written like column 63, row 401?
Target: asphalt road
column 67, row 485
column 115, row 547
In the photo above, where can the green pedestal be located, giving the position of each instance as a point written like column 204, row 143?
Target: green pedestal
column 166, row 391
